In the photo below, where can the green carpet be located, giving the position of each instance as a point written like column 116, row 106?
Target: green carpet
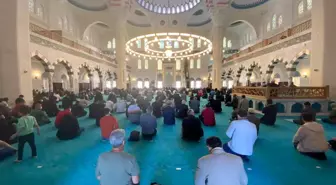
column 275, row 162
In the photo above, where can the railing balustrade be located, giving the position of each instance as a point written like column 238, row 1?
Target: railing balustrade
column 283, row 92
column 276, row 38
column 56, row 35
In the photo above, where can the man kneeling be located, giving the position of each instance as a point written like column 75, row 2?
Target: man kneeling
column 310, row 140
column 148, row 124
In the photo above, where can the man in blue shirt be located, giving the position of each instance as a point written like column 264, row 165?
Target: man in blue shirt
column 148, row 124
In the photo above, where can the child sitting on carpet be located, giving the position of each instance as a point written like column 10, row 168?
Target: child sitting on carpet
column 25, row 132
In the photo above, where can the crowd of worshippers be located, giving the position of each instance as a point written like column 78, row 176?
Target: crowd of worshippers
column 143, row 107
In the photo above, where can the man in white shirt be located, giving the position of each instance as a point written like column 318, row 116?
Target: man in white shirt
column 243, row 135
column 220, row 167
column 120, row 106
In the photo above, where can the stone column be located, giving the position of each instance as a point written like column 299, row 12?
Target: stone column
column 101, row 79
column 50, row 81
column 15, row 64
column 217, row 48
column 121, row 55
column 322, row 63
column 91, row 82
column 72, row 81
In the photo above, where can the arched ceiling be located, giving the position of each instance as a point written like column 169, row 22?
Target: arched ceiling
column 246, row 4
column 90, row 5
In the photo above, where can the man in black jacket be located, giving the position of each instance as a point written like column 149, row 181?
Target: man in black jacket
column 192, row 127
column 270, row 113
column 308, row 109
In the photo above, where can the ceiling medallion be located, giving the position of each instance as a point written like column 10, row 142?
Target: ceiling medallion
column 168, row 6
column 169, row 46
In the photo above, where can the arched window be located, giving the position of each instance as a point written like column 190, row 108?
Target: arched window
column 146, row 84
column 186, row 7
column 164, row 10
column 109, row 45
column 159, row 9
column 138, row 43
column 40, row 12
column 301, row 8
column 274, row 21
column 173, row 10
column 178, row 64
column 192, row 84
column 159, row 64
column 190, row 5
column 268, row 27
column 177, row 9
column 60, row 23
column 224, row 42
column 280, row 20
column 182, row 8
column 155, row 8
column 140, row 84
column 192, row 41
column 145, row 41
column 151, row 7
column 309, row 4
column 176, row 45
column 147, row 5
column 168, row 10
column 229, row 44
column 65, row 23
column 146, row 64
column 31, row 6
column 191, row 64
column 159, row 84
column 198, row 83
column 113, row 43
column 161, row 43
column 199, row 43
column 224, row 83
column 139, row 64
column 178, row 84
column 114, row 83
column 198, row 65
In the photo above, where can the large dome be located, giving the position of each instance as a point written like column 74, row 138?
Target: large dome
column 168, row 6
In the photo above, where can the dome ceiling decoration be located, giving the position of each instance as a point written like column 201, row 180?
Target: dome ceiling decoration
column 246, row 4
column 168, row 6
column 169, row 46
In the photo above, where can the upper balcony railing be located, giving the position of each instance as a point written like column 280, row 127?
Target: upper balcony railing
column 283, row 92
column 57, row 36
column 276, row 38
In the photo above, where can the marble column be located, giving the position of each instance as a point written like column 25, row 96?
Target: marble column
column 323, row 63
column 15, row 64
column 50, row 81
column 217, row 48
column 91, row 82
column 121, row 56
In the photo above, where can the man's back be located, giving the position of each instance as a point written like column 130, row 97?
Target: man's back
column 121, row 106
column 244, row 104
column 243, row 135
column 116, row 168
column 148, row 123
column 220, row 168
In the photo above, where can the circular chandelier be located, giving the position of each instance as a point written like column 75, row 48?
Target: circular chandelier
column 168, row 6
column 169, row 46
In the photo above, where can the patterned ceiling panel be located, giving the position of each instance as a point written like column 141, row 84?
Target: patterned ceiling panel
column 168, row 6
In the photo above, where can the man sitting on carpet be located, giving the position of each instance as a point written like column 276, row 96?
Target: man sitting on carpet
column 219, row 167
column 307, row 109
column 117, row 166
column 270, row 112
column 61, row 114
column 310, row 139
column 40, row 115
column 134, row 113
column 208, row 116
column 243, row 135
column 148, row 124
column 168, row 113
column 108, row 123
column 251, row 117
column 332, row 115
column 192, row 127
column 181, row 110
